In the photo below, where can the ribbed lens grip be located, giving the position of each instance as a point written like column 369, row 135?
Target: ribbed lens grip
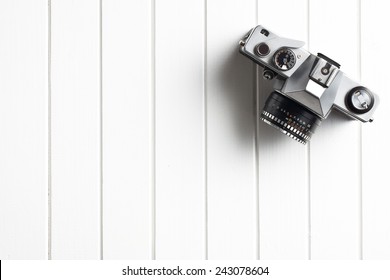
column 289, row 117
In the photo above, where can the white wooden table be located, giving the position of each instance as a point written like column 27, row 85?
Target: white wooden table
column 130, row 130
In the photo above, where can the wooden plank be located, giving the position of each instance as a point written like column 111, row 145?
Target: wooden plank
column 283, row 162
column 127, row 224
column 75, row 130
column 376, row 149
column 23, row 125
column 335, row 148
column 231, row 171
column 180, row 153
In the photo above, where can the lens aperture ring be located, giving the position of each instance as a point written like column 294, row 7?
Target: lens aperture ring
column 290, row 129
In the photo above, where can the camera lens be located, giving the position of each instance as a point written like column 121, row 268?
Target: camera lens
column 289, row 117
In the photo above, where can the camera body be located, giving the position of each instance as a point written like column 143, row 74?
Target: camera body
column 306, row 88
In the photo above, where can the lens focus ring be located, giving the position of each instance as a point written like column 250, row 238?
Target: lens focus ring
column 289, row 117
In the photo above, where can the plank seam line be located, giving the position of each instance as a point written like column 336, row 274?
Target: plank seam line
column 153, row 127
column 308, row 157
column 359, row 45
column 257, row 165
column 101, row 123
column 49, row 123
column 205, row 132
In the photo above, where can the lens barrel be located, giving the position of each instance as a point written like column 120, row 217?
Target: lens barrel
column 289, row 117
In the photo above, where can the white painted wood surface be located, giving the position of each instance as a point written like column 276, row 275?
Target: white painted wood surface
column 75, row 130
column 23, row 126
column 130, row 131
column 127, row 129
column 231, row 170
column 180, row 130
column 375, row 149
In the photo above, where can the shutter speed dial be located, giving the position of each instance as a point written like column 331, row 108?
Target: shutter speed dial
column 284, row 59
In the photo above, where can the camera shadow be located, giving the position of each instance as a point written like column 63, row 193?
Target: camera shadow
column 246, row 91
column 237, row 80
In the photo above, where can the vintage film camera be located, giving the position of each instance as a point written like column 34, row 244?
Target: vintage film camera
column 306, row 86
